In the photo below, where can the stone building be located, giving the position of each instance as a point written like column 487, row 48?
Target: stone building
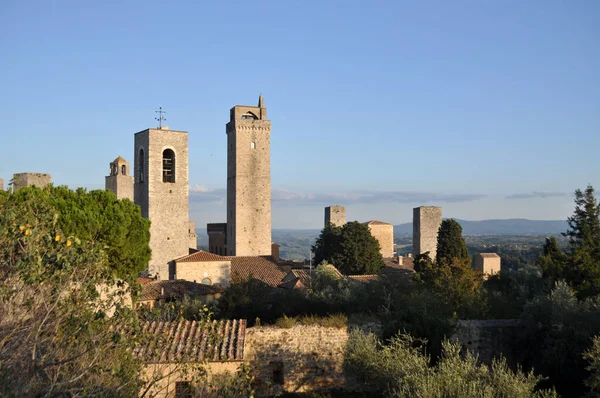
column 120, row 182
column 193, row 243
column 161, row 191
column 335, row 215
column 487, row 263
column 204, row 267
column 426, row 224
column 1, row 184
column 249, row 181
column 22, row 180
column 384, row 233
column 217, row 238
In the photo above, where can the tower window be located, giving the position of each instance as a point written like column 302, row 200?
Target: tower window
column 124, row 170
column 141, row 165
column 249, row 115
column 253, row 145
column 168, row 165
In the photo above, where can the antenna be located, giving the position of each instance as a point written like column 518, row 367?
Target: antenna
column 160, row 118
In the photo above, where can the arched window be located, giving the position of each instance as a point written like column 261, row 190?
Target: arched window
column 168, row 165
column 206, row 281
column 249, row 115
column 141, row 165
column 123, row 170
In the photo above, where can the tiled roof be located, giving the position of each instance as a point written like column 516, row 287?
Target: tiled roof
column 263, row 268
column 143, row 281
column 200, row 256
column 176, row 289
column 489, row 255
column 375, row 222
column 193, row 341
column 363, row 278
column 392, row 262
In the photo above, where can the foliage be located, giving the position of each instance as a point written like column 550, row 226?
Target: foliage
column 552, row 261
column 401, row 369
column 98, row 217
column 350, row 248
column 450, row 243
column 592, row 355
column 331, row 321
column 559, row 328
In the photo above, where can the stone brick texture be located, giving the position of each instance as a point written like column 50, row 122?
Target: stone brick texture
column 219, row 272
column 1, row 184
column 487, row 265
column 164, row 203
column 335, row 215
column 248, row 185
column 426, row 224
column 22, row 180
column 384, row 233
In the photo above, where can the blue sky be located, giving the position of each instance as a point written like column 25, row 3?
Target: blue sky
column 488, row 109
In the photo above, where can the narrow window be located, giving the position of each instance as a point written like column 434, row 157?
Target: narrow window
column 277, row 368
column 168, row 165
column 252, row 145
column 141, row 165
column 123, row 170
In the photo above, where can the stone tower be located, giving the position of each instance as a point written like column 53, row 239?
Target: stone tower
column 22, row 180
column 249, row 181
column 426, row 223
column 1, row 184
column 335, row 215
column 120, row 182
column 161, row 191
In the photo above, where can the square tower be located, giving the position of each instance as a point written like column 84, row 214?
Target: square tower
column 161, row 191
column 23, row 180
column 426, row 224
column 335, row 215
column 249, row 181
column 119, row 181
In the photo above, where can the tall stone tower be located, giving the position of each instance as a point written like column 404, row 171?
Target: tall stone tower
column 119, row 181
column 161, row 191
column 249, row 181
column 22, row 180
column 1, row 184
column 426, row 223
column 335, row 215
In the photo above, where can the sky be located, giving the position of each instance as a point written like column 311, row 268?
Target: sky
column 489, row 109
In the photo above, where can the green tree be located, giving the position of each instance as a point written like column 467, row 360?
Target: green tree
column 450, row 243
column 592, row 355
column 552, row 260
column 351, row 249
column 99, row 217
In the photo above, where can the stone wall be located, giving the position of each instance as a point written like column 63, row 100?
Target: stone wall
column 335, row 215
column 22, row 180
column 1, row 184
column 426, row 224
column 384, row 233
column 488, row 338
column 164, row 203
column 120, row 185
column 301, row 358
column 219, row 272
column 487, row 264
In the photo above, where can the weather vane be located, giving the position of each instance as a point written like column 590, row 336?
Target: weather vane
column 160, row 117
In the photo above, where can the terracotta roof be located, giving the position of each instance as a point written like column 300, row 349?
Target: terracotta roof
column 489, row 255
column 200, row 256
column 375, row 222
column 363, row 278
column 392, row 262
column 119, row 160
column 176, row 289
column 143, row 281
column 193, row 341
column 263, row 268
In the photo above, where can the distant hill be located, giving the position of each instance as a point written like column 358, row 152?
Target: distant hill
column 512, row 226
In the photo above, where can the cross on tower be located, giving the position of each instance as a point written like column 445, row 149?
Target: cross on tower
column 160, row 118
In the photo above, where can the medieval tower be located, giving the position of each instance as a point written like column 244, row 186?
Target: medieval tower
column 161, row 191
column 336, row 215
column 248, row 181
column 120, row 182
column 426, row 223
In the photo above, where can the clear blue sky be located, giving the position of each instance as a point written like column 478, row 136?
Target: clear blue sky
column 490, row 109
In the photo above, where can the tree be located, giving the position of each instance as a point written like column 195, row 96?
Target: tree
column 552, row 260
column 450, row 243
column 351, row 249
column 98, row 217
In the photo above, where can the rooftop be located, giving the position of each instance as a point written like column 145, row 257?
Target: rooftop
column 199, row 256
column 263, row 268
column 375, row 222
column 489, row 255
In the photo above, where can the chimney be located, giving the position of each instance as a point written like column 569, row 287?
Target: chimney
column 275, row 252
column 162, row 291
column 409, row 255
column 400, row 260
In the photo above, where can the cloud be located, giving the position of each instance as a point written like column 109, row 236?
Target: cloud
column 537, row 195
column 283, row 196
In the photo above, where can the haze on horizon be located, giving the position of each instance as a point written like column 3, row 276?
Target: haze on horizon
column 489, row 110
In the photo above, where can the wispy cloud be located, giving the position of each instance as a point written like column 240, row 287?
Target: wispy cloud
column 537, row 195
column 203, row 194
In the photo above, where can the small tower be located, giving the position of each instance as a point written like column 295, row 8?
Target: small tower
column 1, row 184
column 249, row 181
column 426, row 224
column 161, row 191
column 336, row 215
column 119, row 181
column 23, row 180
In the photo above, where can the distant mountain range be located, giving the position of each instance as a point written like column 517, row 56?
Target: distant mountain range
column 513, row 226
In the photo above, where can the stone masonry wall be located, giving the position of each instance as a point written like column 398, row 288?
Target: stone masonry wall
column 335, row 215
column 120, row 185
column 1, row 184
column 22, row 180
column 308, row 357
column 426, row 223
column 219, row 272
column 164, row 203
column 384, row 233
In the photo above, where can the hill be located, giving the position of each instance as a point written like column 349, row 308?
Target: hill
column 512, row 226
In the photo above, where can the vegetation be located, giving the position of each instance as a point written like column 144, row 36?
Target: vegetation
column 350, row 248
column 332, row 321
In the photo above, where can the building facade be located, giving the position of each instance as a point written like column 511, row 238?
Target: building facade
column 384, row 233
column 119, row 181
column 22, row 180
column 336, row 215
column 426, row 224
column 487, row 264
column 249, row 181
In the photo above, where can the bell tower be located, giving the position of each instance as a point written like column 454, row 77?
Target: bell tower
column 249, row 181
column 119, row 181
